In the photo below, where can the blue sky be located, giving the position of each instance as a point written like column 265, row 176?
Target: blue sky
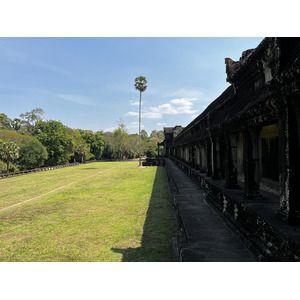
column 88, row 83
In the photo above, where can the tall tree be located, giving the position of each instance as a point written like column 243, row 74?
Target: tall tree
column 83, row 150
column 120, row 137
column 5, row 122
column 31, row 117
column 9, row 152
column 132, row 146
column 144, row 135
column 54, row 136
column 140, row 85
column 16, row 124
column 95, row 141
column 157, row 134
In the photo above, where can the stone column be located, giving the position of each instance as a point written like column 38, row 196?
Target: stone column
column 197, row 162
column 203, row 158
column 231, row 160
column 186, row 149
column 289, row 139
column 216, row 159
column 251, row 162
column 199, row 157
column 208, row 157
column 193, row 162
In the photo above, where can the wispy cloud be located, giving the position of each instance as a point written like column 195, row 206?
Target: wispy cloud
column 76, row 99
column 50, row 67
column 173, row 107
column 12, row 55
column 135, row 103
column 161, row 124
column 131, row 114
column 17, row 56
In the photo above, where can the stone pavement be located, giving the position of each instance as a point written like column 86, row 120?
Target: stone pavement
column 204, row 236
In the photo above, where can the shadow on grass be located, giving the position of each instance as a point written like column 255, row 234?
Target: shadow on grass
column 159, row 227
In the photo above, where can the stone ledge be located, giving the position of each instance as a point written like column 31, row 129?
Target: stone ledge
column 268, row 241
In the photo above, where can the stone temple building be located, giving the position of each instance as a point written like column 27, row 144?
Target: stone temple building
column 249, row 137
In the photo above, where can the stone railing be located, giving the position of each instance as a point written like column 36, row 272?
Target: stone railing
column 261, row 237
column 17, row 173
column 154, row 161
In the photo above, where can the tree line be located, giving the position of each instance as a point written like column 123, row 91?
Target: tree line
column 29, row 142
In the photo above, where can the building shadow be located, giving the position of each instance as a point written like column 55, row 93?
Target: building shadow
column 159, row 227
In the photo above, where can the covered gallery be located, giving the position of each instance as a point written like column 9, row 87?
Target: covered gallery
column 249, row 137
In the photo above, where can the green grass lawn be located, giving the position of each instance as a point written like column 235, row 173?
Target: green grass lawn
column 108, row 211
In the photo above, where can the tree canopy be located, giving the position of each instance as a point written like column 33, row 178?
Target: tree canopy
column 32, row 155
column 140, row 83
column 29, row 142
column 9, row 152
column 54, row 136
column 31, row 117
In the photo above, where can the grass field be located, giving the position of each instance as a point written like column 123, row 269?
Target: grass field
column 110, row 211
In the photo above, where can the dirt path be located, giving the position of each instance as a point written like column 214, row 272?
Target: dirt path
column 52, row 191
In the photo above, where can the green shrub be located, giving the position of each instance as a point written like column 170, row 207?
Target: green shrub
column 89, row 156
column 3, row 167
column 32, row 155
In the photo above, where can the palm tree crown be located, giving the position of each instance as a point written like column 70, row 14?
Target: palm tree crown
column 9, row 152
column 141, row 83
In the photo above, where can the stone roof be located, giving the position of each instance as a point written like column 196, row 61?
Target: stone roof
column 247, row 100
column 168, row 129
column 233, row 67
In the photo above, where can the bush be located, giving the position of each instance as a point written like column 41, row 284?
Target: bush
column 3, row 167
column 90, row 156
column 32, row 155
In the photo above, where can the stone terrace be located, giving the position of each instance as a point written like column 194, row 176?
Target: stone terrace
column 203, row 234
column 218, row 224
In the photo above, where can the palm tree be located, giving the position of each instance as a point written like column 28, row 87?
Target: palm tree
column 9, row 152
column 140, row 85
column 82, row 150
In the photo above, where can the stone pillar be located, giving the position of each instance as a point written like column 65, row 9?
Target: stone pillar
column 231, row 160
column 289, row 139
column 186, row 149
column 181, row 153
column 203, row 158
column 208, row 157
column 216, row 159
column 193, row 159
column 199, row 157
column 193, row 165
column 251, row 162
column 197, row 162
